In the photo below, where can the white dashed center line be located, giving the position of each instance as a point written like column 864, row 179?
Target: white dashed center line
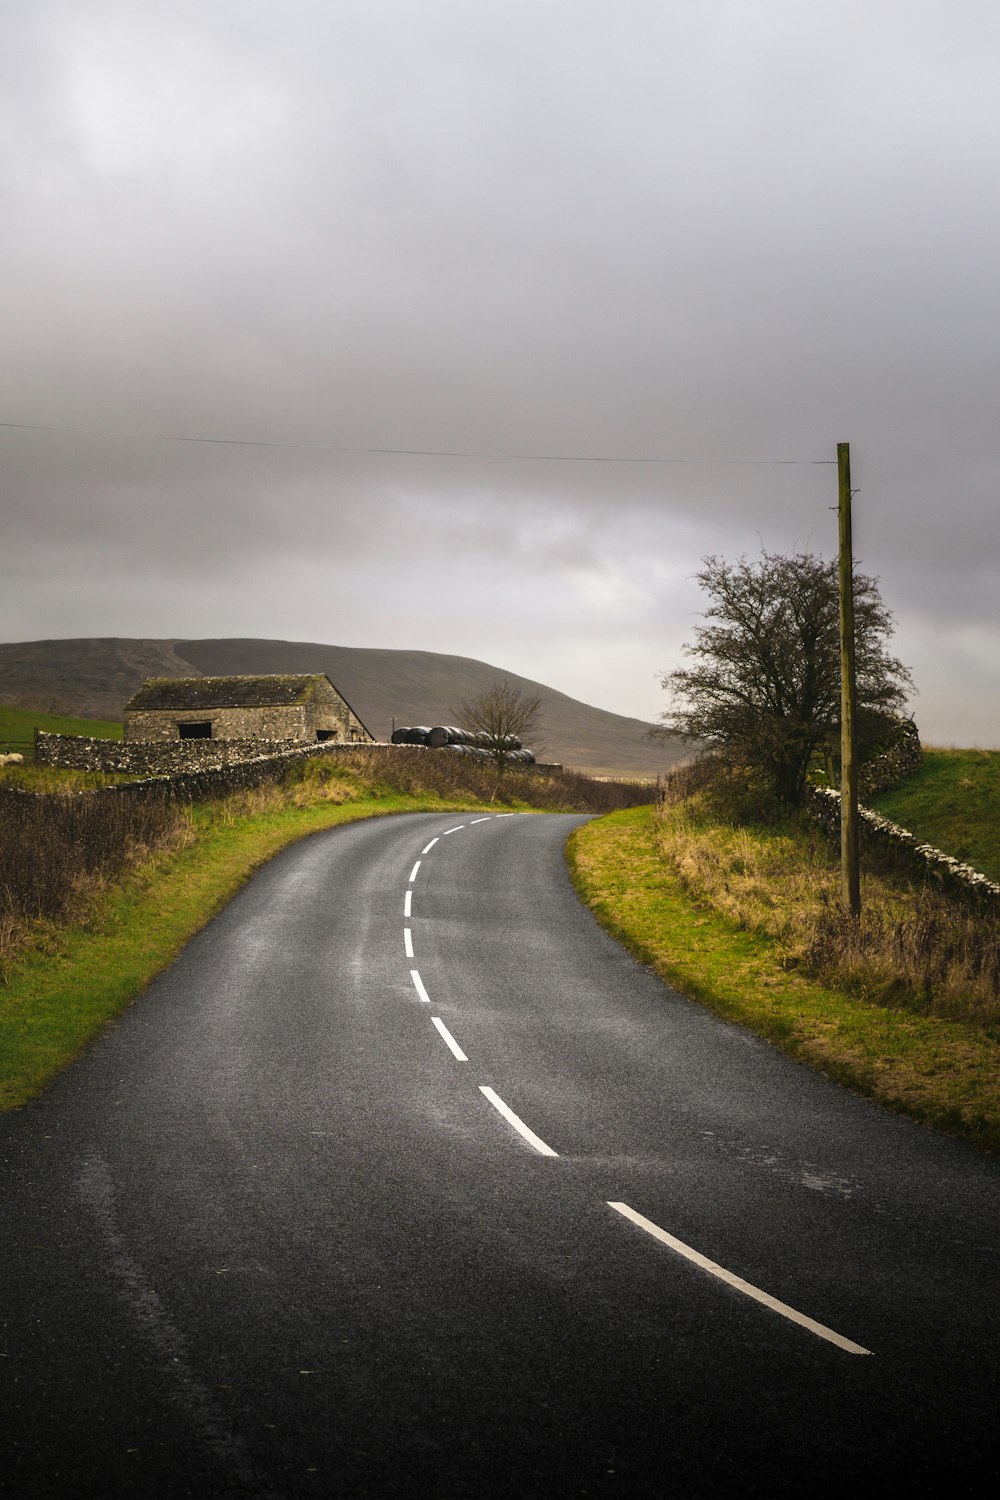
column 455, row 1048
column 678, row 1246
column 819, row 1329
column 517, row 1122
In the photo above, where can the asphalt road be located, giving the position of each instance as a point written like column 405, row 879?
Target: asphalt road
column 270, row 1237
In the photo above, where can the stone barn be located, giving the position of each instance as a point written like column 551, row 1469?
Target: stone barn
column 292, row 709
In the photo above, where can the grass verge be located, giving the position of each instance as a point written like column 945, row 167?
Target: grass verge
column 942, row 1072
column 64, row 990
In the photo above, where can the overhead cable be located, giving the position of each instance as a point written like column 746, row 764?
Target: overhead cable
column 545, row 458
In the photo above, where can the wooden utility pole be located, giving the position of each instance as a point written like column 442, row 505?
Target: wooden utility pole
column 850, row 882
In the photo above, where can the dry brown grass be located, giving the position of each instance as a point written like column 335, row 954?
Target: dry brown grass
column 417, row 772
column 914, row 948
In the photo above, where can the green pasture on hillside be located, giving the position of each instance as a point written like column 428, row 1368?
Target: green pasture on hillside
column 953, row 802
column 18, row 725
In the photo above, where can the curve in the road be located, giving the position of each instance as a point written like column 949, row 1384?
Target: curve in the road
column 486, row 1210
column 661, row 1235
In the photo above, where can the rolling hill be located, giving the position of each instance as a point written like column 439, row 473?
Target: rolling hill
column 95, row 677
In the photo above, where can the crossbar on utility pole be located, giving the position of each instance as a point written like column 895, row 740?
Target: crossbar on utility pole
column 850, row 880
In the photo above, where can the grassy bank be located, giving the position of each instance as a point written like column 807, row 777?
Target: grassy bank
column 710, row 909
column 953, row 802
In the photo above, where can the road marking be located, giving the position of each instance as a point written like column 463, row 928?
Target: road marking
column 456, row 1049
column 518, row 1124
column 452, row 830
column 505, row 815
column 418, row 985
column 406, row 903
column 413, row 872
column 819, row 1329
column 408, row 942
column 479, row 820
column 430, row 846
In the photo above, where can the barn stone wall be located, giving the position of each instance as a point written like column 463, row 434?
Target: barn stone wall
column 292, row 724
column 296, row 724
column 145, row 726
column 326, row 710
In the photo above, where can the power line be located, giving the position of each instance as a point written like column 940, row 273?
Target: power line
column 545, row 458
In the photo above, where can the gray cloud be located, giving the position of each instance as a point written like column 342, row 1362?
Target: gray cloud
column 701, row 231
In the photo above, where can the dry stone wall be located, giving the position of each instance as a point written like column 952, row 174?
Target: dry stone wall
column 901, row 759
column 139, row 757
column 923, row 860
column 216, row 780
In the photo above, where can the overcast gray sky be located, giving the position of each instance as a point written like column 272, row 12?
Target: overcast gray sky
column 709, row 230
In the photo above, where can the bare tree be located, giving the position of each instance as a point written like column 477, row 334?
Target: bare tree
column 765, row 687
column 504, row 717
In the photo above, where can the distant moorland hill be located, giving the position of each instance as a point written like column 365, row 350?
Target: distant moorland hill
column 95, row 678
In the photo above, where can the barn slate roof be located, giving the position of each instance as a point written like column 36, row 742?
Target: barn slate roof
column 187, row 694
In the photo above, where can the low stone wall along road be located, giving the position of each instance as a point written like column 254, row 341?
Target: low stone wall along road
column 407, row 1180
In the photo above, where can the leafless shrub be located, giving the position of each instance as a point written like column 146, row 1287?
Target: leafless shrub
column 935, row 955
column 735, row 793
column 55, row 848
column 505, row 718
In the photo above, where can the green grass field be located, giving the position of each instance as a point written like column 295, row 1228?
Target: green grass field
column 18, row 725
column 953, row 802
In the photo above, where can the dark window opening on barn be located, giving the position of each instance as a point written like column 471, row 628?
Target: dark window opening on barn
column 326, row 734
column 200, row 730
